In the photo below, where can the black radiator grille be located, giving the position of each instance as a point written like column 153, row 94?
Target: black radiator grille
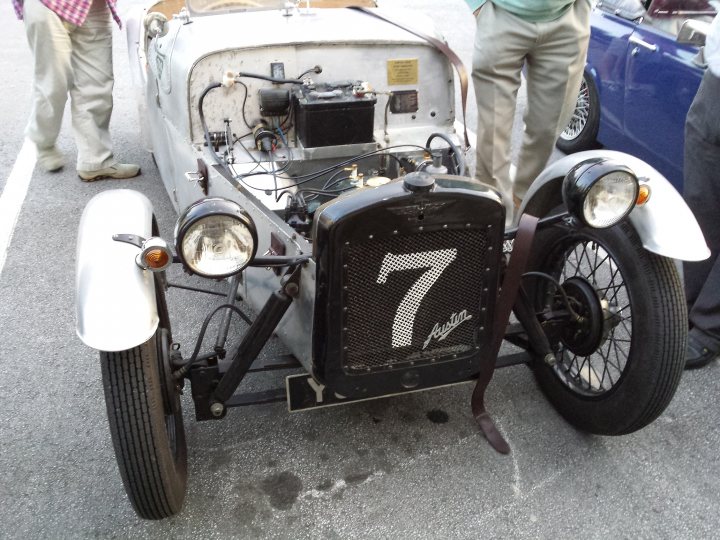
column 438, row 276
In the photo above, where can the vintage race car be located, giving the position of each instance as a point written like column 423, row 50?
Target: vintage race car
column 314, row 159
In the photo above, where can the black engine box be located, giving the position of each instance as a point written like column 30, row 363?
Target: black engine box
column 333, row 114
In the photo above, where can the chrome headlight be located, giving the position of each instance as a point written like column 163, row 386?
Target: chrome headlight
column 215, row 238
column 600, row 192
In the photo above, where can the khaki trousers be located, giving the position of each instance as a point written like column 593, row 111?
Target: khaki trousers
column 553, row 54
column 74, row 60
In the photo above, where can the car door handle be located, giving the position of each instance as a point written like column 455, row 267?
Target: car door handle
column 641, row 43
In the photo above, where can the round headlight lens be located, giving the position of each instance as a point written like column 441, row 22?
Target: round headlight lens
column 217, row 245
column 610, row 199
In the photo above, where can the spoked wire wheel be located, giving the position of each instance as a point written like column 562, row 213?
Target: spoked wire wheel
column 620, row 345
column 582, row 129
column 580, row 116
column 592, row 355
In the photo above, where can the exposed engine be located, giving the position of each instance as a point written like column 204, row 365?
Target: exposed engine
column 309, row 142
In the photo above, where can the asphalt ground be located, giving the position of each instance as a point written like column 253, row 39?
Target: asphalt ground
column 407, row 467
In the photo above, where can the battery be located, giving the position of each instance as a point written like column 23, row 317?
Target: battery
column 333, row 114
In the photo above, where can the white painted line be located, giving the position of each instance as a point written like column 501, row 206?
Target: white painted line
column 13, row 195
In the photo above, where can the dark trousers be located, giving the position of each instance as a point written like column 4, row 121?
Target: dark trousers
column 702, row 194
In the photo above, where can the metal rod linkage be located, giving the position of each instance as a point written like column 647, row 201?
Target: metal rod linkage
column 227, row 314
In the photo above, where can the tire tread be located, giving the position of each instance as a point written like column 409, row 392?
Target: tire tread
column 135, row 410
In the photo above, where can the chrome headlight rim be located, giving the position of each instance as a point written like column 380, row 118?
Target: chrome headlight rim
column 209, row 207
column 581, row 179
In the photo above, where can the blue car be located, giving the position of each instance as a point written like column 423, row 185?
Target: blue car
column 643, row 69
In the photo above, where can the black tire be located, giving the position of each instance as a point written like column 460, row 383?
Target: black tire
column 146, row 424
column 581, row 132
column 617, row 377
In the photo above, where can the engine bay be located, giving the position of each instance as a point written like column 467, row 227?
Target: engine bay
column 309, row 142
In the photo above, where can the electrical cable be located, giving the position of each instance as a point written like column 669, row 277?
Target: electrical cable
column 558, row 286
column 242, row 108
column 314, row 69
column 271, row 79
column 305, row 178
column 349, row 161
column 180, row 372
column 208, row 141
column 460, row 167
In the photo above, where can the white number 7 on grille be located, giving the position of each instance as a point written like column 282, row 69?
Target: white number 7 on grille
column 436, row 262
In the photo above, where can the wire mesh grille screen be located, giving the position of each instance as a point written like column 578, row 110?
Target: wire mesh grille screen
column 413, row 299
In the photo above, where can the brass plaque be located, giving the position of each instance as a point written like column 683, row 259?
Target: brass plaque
column 402, row 71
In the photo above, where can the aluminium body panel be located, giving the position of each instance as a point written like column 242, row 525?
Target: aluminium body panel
column 347, row 44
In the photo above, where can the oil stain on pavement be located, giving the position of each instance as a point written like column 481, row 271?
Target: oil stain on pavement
column 283, row 489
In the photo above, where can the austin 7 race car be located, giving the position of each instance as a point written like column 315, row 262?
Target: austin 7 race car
column 312, row 153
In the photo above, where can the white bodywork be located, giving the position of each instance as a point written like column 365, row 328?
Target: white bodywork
column 115, row 299
column 665, row 223
column 170, row 71
column 348, row 45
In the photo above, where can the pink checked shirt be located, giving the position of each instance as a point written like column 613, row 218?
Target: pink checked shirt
column 72, row 11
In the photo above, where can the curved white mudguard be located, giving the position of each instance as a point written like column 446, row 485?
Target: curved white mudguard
column 115, row 299
column 665, row 224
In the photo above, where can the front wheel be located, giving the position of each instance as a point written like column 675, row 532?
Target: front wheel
column 146, row 423
column 619, row 362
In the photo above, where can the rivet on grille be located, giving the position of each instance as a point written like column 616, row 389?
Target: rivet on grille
column 344, row 265
column 483, row 310
column 370, row 236
column 344, row 309
column 421, row 228
column 454, row 355
column 344, row 348
column 481, row 328
column 487, row 269
column 489, row 248
column 467, row 224
column 485, row 289
column 344, row 329
column 347, row 243
column 445, row 226
column 395, row 232
column 344, row 287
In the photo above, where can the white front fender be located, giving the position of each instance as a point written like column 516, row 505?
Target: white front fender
column 665, row 224
column 114, row 299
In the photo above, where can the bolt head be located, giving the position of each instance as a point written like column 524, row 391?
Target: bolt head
column 550, row 359
column 217, row 409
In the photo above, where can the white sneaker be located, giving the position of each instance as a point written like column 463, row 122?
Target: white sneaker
column 118, row 171
column 50, row 159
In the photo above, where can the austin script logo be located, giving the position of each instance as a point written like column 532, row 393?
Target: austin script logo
column 441, row 332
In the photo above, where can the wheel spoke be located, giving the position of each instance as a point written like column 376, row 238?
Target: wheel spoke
column 606, row 362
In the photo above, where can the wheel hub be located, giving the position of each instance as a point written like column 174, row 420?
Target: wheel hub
column 586, row 334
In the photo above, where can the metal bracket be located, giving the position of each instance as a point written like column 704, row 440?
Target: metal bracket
column 290, row 282
column 132, row 239
column 200, row 176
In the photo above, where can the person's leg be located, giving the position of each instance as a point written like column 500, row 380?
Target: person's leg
column 50, row 44
column 701, row 191
column 501, row 42
column 554, row 73
column 91, row 93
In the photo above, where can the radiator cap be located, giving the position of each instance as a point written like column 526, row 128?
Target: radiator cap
column 419, row 182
